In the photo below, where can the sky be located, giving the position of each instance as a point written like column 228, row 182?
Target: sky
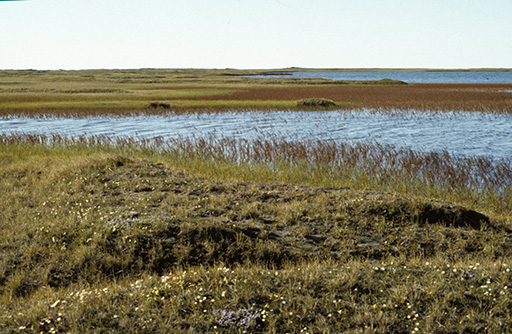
column 93, row 34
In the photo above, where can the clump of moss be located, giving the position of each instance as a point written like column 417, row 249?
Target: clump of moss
column 159, row 105
column 316, row 102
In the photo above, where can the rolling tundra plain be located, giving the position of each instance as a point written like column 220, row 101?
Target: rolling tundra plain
column 224, row 233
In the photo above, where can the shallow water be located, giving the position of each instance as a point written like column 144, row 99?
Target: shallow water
column 460, row 133
column 408, row 76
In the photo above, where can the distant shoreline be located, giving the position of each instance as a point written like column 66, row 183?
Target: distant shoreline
column 274, row 70
column 299, row 69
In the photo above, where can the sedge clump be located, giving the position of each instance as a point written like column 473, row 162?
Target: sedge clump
column 316, row 102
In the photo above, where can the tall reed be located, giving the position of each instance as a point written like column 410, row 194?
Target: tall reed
column 482, row 183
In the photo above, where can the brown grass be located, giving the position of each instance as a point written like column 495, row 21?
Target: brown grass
column 467, row 97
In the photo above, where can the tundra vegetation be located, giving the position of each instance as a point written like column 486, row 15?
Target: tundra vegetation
column 122, row 92
column 218, row 235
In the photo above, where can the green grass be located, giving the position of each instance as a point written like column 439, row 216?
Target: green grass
column 98, row 99
column 94, row 95
column 186, row 238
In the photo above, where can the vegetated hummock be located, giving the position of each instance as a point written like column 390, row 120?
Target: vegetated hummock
column 316, row 103
column 125, row 92
column 231, row 237
column 127, row 235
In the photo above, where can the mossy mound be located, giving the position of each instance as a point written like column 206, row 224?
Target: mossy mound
column 159, row 105
column 316, row 102
column 105, row 243
column 119, row 216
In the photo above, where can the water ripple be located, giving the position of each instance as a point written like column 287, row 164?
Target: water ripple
column 461, row 133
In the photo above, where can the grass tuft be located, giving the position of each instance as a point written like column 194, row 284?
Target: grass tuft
column 316, row 102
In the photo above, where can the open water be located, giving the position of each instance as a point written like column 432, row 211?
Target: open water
column 460, row 133
column 408, row 76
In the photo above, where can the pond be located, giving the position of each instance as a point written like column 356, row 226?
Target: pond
column 407, row 76
column 460, row 133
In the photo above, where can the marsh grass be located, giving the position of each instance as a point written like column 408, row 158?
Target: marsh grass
column 121, row 92
column 227, row 236
column 220, row 235
column 473, row 181
column 428, row 97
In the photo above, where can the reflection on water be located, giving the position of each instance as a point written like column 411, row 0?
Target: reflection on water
column 462, row 133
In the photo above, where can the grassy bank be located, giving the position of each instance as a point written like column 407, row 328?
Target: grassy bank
column 121, row 92
column 269, row 237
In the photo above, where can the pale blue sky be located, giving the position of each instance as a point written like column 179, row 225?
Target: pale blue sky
column 76, row 34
